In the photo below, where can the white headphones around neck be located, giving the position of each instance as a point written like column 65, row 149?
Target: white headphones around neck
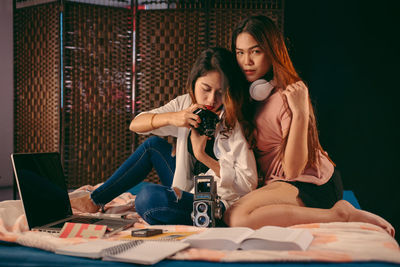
column 261, row 89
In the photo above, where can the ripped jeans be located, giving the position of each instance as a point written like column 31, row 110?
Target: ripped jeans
column 154, row 152
column 158, row 204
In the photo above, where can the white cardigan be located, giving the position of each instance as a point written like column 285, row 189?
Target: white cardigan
column 238, row 169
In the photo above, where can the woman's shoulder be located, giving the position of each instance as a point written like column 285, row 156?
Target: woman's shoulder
column 277, row 96
column 273, row 104
column 182, row 101
column 178, row 103
column 184, row 97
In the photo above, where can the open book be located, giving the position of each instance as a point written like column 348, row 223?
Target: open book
column 265, row 238
column 135, row 251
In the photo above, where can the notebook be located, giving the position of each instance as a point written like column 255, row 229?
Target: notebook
column 43, row 191
column 136, row 251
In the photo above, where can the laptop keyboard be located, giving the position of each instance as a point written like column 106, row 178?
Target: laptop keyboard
column 84, row 220
column 77, row 220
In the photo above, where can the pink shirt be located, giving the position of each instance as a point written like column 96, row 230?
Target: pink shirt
column 272, row 119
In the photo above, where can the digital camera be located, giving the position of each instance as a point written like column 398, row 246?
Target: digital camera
column 208, row 122
column 206, row 204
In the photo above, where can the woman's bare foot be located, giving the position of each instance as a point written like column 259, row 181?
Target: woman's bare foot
column 351, row 214
column 84, row 204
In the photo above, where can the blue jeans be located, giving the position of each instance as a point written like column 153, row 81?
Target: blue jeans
column 158, row 204
column 154, row 152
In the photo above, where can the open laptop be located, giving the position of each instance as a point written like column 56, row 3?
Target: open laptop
column 43, row 191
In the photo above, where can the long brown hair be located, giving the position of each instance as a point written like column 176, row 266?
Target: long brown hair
column 271, row 40
column 233, row 83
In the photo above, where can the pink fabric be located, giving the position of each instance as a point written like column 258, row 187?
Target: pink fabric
column 333, row 242
column 273, row 119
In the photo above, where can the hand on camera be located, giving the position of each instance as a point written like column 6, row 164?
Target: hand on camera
column 186, row 118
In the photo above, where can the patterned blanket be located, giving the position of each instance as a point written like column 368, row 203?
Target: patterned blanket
column 333, row 242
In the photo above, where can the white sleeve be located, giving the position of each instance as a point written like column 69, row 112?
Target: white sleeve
column 238, row 170
column 177, row 104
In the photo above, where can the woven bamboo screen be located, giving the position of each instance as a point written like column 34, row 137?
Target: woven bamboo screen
column 163, row 57
column 168, row 42
column 97, row 91
column 88, row 122
column 37, row 78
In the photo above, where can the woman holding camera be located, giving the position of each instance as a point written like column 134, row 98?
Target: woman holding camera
column 225, row 155
column 301, row 183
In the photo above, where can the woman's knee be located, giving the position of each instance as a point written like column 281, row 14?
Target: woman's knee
column 154, row 141
column 149, row 196
column 158, row 204
column 236, row 216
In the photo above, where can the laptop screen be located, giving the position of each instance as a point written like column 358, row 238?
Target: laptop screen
column 42, row 187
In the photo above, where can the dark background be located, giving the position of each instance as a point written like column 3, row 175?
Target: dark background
column 347, row 52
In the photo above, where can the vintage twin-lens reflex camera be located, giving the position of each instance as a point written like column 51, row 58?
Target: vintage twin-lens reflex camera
column 206, row 204
column 208, row 122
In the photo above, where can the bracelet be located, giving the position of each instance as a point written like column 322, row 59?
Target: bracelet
column 151, row 120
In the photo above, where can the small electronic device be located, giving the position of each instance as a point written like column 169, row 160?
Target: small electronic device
column 146, row 232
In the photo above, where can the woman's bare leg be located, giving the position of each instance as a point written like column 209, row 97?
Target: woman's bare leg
column 277, row 204
column 354, row 215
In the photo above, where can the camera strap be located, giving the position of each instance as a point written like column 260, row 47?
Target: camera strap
column 199, row 167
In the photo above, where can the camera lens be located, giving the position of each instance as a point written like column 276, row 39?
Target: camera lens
column 202, row 220
column 201, row 207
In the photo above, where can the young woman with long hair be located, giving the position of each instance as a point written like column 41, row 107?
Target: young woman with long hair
column 226, row 155
column 301, row 182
